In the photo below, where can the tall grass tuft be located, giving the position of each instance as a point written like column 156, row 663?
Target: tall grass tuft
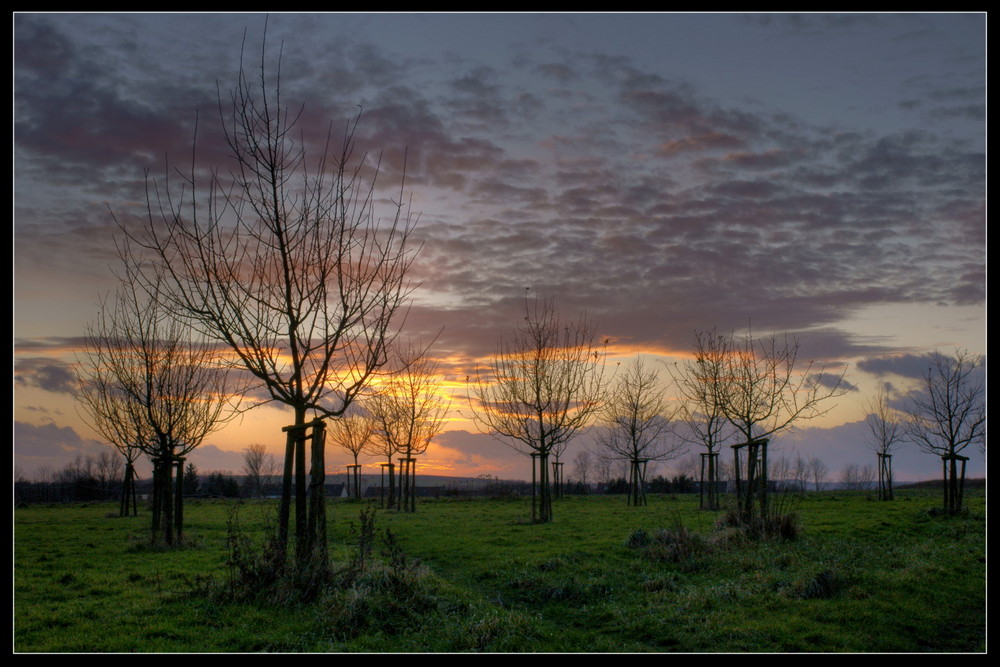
column 775, row 521
column 677, row 544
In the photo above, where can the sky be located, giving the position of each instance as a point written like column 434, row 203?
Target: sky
column 821, row 175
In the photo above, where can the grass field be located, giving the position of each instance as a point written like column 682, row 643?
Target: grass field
column 474, row 575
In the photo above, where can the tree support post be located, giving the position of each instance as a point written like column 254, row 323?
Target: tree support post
column 557, row 477
column 752, row 495
column 179, row 498
column 709, row 465
column 407, row 484
column 954, row 481
column 381, row 492
column 354, row 480
column 884, row 476
column 310, row 501
column 534, row 486
column 637, row 482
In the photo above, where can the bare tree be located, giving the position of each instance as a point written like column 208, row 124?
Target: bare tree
column 800, row 472
column 764, row 389
column 700, row 382
column 818, row 472
column 780, row 470
column 603, row 470
column 409, row 409
column 638, row 425
column 885, row 432
column 947, row 414
column 259, row 468
column 354, row 432
column 856, row 477
column 106, row 406
column 543, row 385
column 582, row 464
column 284, row 260
column 381, row 445
column 147, row 383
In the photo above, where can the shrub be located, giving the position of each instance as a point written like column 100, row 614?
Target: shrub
column 639, row 539
column 677, row 545
column 772, row 524
column 822, row 586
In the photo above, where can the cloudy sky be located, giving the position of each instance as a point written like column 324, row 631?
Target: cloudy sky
column 822, row 175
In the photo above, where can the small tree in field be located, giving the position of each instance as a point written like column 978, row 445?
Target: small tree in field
column 543, row 385
column 192, row 482
column 762, row 389
column 637, row 426
column 354, row 432
column 700, row 382
column 108, row 409
column 409, row 411
column 857, row 477
column 818, row 472
column 282, row 258
column 885, row 432
column 947, row 414
column 259, row 468
column 582, row 465
column 147, row 383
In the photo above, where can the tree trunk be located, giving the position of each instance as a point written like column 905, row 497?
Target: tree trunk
column 301, row 499
column 128, row 492
column 179, row 501
column 391, row 501
column 154, row 524
column 317, row 493
column 544, row 490
column 167, row 502
column 285, row 508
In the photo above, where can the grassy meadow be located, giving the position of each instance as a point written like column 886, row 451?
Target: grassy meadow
column 475, row 575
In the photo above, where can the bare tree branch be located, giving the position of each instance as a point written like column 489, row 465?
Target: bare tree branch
column 285, row 261
column 947, row 414
column 637, row 425
column 543, row 386
column 409, row 411
column 148, row 385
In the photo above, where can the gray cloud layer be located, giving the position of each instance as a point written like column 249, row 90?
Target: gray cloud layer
column 605, row 183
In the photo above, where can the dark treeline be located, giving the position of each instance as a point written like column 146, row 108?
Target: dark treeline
column 99, row 478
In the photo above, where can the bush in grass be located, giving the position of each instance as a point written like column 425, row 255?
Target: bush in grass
column 677, row 545
column 380, row 590
column 821, row 586
column 258, row 571
column 639, row 539
column 674, row 545
column 495, row 631
column 379, row 600
column 773, row 524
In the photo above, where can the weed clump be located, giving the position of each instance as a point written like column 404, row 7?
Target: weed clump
column 769, row 525
column 822, row 586
column 495, row 631
column 639, row 539
column 677, row 545
column 379, row 590
column 671, row 545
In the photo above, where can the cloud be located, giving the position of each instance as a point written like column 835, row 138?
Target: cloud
column 831, row 381
column 209, row 458
column 909, row 366
column 608, row 184
column 45, row 373
column 906, row 365
column 48, row 446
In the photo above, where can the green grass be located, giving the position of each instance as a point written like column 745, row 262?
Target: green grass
column 862, row 576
